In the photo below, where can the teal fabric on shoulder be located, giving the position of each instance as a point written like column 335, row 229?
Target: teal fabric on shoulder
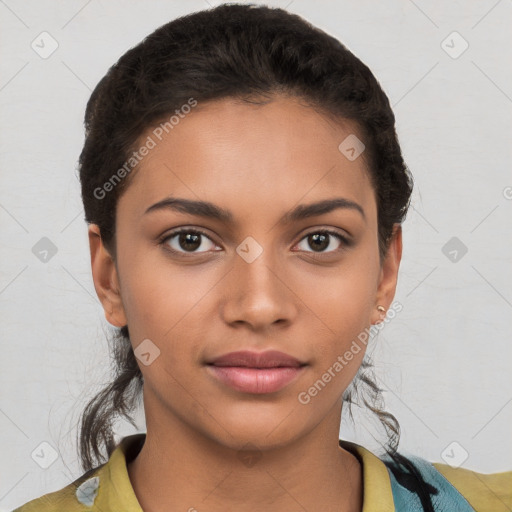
column 406, row 489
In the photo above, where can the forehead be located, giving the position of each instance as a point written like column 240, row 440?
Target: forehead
column 253, row 156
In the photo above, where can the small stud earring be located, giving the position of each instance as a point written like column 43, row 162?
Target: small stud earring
column 381, row 308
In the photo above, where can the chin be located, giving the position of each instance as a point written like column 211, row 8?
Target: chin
column 262, row 430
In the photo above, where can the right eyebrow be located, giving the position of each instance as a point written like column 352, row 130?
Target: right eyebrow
column 192, row 207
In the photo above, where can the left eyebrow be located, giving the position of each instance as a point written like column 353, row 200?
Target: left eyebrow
column 210, row 210
column 303, row 211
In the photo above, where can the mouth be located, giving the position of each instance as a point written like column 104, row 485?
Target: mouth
column 258, row 373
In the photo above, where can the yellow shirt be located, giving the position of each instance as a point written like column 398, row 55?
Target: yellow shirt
column 108, row 487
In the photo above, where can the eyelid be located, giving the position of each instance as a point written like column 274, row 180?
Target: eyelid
column 345, row 236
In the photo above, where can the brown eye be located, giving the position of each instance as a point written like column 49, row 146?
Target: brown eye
column 319, row 241
column 188, row 241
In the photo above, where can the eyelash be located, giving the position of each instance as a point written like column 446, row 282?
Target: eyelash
column 163, row 240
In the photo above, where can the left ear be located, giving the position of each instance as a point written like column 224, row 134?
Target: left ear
column 389, row 273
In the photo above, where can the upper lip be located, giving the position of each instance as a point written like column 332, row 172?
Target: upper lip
column 267, row 359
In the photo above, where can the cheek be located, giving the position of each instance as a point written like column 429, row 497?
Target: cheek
column 341, row 310
column 165, row 303
column 344, row 298
column 339, row 349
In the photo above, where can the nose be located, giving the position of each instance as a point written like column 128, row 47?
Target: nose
column 258, row 294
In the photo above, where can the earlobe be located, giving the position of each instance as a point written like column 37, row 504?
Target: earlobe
column 389, row 273
column 105, row 279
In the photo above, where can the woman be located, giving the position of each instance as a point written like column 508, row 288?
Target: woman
column 245, row 189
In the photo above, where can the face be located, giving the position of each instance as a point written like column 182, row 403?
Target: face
column 249, row 272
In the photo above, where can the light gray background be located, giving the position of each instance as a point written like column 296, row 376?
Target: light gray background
column 445, row 358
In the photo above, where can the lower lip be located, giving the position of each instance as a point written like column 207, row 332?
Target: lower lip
column 256, row 380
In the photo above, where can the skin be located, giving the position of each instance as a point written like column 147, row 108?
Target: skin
column 258, row 162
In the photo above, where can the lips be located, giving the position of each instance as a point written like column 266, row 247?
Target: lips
column 268, row 359
column 253, row 372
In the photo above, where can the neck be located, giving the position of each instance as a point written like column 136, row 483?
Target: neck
column 186, row 470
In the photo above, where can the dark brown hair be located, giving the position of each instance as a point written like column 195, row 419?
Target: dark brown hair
column 246, row 52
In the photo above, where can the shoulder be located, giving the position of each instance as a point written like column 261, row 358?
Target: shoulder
column 65, row 498
column 485, row 492
column 443, row 487
column 106, row 487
